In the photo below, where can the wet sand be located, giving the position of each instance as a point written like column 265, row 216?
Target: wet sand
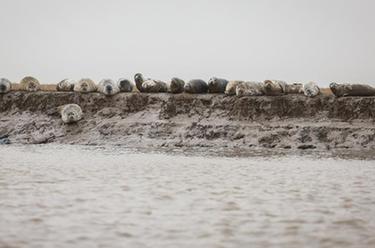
column 292, row 122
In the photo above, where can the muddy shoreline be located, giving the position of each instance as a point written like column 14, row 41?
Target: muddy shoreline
column 292, row 122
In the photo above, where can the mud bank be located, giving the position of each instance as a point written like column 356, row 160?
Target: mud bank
column 217, row 121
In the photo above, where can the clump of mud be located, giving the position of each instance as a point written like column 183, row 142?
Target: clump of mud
column 291, row 122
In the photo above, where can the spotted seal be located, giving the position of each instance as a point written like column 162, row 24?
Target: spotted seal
column 176, row 85
column 278, row 87
column 352, row 89
column 85, row 85
column 29, row 84
column 311, row 89
column 250, row 89
column 139, row 79
column 196, row 86
column 231, row 87
column 65, row 85
column 5, row 85
column 217, row 85
column 108, row 87
column 154, row 86
column 70, row 113
column 125, row 85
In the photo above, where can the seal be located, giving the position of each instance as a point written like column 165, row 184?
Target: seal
column 154, row 86
column 65, row 85
column 250, row 89
column 217, row 85
column 196, row 86
column 352, row 89
column 274, row 87
column 176, row 85
column 125, row 85
column 231, row 87
column 85, row 85
column 108, row 87
column 294, row 88
column 311, row 89
column 70, row 113
column 29, row 84
column 139, row 79
column 5, row 85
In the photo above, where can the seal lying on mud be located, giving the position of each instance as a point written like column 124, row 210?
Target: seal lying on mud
column 250, row 89
column 139, row 80
column 154, row 86
column 352, row 89
column 311, row 89
column 196, row 86
column 30, row 84
column 231, row 87
column 5, row 85
column 65, row 85
column 217, row 85
column 85, row 85
column 125, row 85
column 108, row 87
column 277, row 88
column 70, row 113
column 176, row 85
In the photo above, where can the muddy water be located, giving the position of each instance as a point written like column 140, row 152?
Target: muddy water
column 73, row 196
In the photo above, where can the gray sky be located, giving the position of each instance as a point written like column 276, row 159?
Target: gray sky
column 295, row 40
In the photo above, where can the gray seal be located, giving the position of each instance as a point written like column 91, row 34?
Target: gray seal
column 352, row 89
column 139, row 80
column 311, row 89
column 154, row 86
column 65, row 85
column 176, row 85
column 196, row 86
column 70, row 113
column 217, row 85
column 108, row 87
column 250, row 89
column 231, row 87
column 274, row 87
column 125, row 85
column 5, row 85
column 85, row 85
column 30, row 84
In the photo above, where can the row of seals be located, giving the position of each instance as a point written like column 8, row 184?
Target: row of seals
column 195, row 86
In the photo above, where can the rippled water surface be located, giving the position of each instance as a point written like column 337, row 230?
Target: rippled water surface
column 73, row 196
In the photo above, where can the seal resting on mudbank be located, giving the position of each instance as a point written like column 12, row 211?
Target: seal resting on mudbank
column 149, row 85
column 70, row 113
column 29, row 84
column 311, row 89
column 217, row 85
column 352, row 89
column 196, row 86
column 5, row 85
column 231, row 87
column 125, row 85
column 250, row 89
column 278, row 87
column 85, row 85
column 176, row 85
column 108, row 87
column 139, row 79
column 65, row 85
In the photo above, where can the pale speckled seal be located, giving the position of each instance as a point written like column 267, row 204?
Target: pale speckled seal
column 65, row 85
column 5, row 85
column 176, row 85
column 231, row 87
column 154, row 86
column 250, row 89
column 70, row 113
column 311, row 89
column 125, row 85
column 108, row 87
column 352, row 89
column 217, row 85
column 196, row 86
column 29, row 84
column 278, row 87
column 85, row 85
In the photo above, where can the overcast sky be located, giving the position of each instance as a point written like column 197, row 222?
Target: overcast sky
column 294, row 40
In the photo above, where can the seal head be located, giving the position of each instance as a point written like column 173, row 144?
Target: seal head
column 30, row 84
column 311, row 89
column 85, row 85
column 176, row 85
column 70, row 113
column 5, row 85
column 217, row 85
column 139, row 79
column 108, row 87
column 125, row 85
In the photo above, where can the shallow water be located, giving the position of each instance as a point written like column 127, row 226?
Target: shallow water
column 74, row 196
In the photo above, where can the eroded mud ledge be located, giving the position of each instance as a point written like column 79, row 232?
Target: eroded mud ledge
column 183, row 120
